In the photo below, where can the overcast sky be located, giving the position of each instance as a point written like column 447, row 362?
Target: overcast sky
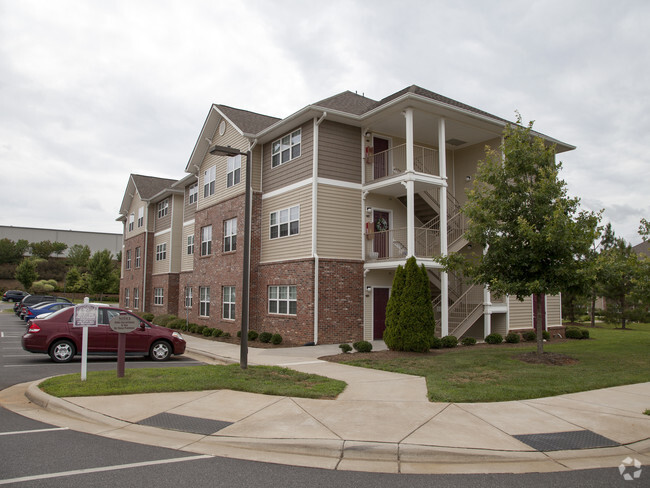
column 91, row 91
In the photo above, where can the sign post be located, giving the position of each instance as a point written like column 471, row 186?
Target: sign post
column 123, row 324
column 85, row 315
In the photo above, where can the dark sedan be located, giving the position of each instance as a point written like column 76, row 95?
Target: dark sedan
column 14, row 295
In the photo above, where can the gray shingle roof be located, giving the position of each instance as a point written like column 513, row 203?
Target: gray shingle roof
column 148, row 186
column 248, row 122
column 348, row 102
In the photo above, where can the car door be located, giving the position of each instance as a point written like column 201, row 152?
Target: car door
column 136, row 341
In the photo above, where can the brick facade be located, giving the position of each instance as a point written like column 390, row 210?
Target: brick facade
column 134, row 277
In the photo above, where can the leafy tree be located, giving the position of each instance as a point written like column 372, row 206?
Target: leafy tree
column 44, row 286
column 42, row 249
column 618, row 273
column 410, row 324
column 644, row 230
column 519, row 212
column 12, row 252
column 100, row 269
column 78, row 256
column 59, row 248
column 26, row 272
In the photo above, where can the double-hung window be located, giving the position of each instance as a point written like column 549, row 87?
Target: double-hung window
column 158, row 297
column 136, row 298
column 209, row 177
column 128, row 259
column 285, row 222
column 285, row 149
column 229, row 302
column 137, row 257
column 188, row 297
column 131, row 219
column 204, row 301
column 161, row 252
column 230, row 235
column 140, row 216
column 234, row 171
column 190, row 244
column 126, row 298
column 282, row 300
column 163, row 208
column 206, row 240
column 193, row 193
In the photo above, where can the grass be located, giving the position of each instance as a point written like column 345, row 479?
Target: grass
column 269, row 380
column 611, row 357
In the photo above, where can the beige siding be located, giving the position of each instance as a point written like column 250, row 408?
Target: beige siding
column 521, row 313
column 136, row 203
column 465, row 162
column 161, row 266
column 291, row 247
column 256, row 177
column 339, row 152
column 176, row 210
column 553, row 310
column 339, row 222
column 375, row 278
column 189, row 209
column 293, row 171
column 187, row 260
column 165, row 222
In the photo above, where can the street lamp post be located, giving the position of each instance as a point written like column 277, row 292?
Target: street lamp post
column 230, row 151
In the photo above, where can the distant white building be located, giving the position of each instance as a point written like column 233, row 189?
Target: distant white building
column 96, row 241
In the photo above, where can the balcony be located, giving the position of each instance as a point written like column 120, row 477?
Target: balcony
column 391, row 245
column 392, row 162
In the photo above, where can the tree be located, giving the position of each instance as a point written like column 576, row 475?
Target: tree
column 410, row 324
column 42, row 249
column 100, row 269
column 78, row 256
column 12, row 252
column 59, row 248
column 617, row 274
column 519, row 212
column 26, row 272
column 644, row 229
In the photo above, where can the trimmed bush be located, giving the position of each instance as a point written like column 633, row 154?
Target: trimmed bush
column 239, row 333
column 345, row 347
column 164, row 319
column 194, row 329
column 176, row 323
column 226, row 335
column 276, row 339
column 512, row 338
column 217, row 332
column 148, row 316
column 265, row 337
column 436, row 343
column 494, row 338
column 449, row 341
column 529, row 336
column 184, row 327
column 200, row 328
column 252, row 335
column 362, row 346
column 207, row 331
column 468, row 341
column 576, row 333
column 585, row 333
column 546, row 335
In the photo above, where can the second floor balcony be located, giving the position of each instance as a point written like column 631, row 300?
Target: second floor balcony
column 393, row 162
column 391, row 245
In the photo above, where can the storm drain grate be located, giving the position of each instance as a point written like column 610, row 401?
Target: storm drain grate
column 184, row 423
column 562, row 441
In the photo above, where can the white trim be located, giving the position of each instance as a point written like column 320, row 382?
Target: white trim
column 162, row 232
column 189, row 222
column 288, row 188
column 339, row 183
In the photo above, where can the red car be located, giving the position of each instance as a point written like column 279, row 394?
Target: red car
column 57, row 336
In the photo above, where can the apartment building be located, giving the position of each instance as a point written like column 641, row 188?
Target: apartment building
column 343, row 191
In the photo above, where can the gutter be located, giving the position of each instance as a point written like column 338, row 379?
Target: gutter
column 314, row 222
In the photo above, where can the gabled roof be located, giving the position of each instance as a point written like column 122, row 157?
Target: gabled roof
column 348, row 102
column 146, row 186
column 248, row 122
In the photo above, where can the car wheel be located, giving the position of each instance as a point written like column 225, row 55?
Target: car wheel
column 62, row 351
column 160, row 351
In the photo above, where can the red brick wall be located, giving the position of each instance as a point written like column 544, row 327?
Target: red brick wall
column 134, row 277
column 169, row 284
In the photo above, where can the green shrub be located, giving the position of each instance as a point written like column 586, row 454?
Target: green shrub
column 239, row 333
column 226, row 335
column 585, row 333
column 345, row 347
column 362, row 346
column 148, row 316
column 199, row 329
column 436, row 343
column 176, row 323
column 449, row 341
column 546, row 335
column 576, row 333
column 494, row 338
column 164, row 319
column 512, row 338
column 216, row 332
column 207, row 331
column 468, row 341
column 266, row 337
column 529, row 336
column 184, row 327
column 276, row 339
column 193, row 328
column 252, row 335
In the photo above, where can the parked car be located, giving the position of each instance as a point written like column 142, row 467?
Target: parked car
column 39, row 309
column 14, row 295
column 34, row 299
column 57, row 336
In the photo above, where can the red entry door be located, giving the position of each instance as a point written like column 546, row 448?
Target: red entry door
column 380, row 150
column 542, row 299
column 379, row 302
column 380, row 245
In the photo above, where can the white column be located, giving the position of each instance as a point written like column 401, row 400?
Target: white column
column 410, row 185
column 444, row 277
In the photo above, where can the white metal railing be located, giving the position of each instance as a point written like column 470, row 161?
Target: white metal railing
column 462, row 308
column 393, row 244
column 393, row 162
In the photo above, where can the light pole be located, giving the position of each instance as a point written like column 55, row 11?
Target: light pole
column 230, row 151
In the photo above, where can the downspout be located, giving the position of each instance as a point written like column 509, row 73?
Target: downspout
column 146, row 252
column 314, row 221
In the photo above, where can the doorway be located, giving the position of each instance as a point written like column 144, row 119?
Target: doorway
column 381, row 162
column 381, row 228
column 379, row 302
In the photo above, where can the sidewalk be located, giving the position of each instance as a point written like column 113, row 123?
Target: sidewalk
column 381, row 422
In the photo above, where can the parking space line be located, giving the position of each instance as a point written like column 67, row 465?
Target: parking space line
column 102, row 469
column 33, row 431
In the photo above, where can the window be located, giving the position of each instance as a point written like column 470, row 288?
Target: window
column 204, row 301
column 161, row 252
column 140, row 216
column 158, row 296
column 208, row 181
column 131, row 219
column 206, row 240
column 282, row 300
column 137, row 257
column 285, row 149
column 194, row 193
column 234, row 171
column 126, row 298
column 190, row 244
column 229, row 302
column 136, row 298
column 163, row 207
column 285, row 222
column 128, row 259
column 230, row 235
column 188, row 297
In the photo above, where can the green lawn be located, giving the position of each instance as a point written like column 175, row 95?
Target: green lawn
column 611, row 357
column 268, row 380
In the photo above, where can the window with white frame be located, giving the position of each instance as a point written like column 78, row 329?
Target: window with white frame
column 131, row 219
column 190, row 244
column 188, row 297
column 229, row 302
column 140, row 216
column 285, row 149
column 163, row 208
column 126, row 298
column 209, row 177
column 230, row 235
column 137, row 257
column 136, row 298
column 128, row 259
column 233, row 175
column 193, row 193
column 282, row 300
column 204, row 301
column 158, row 296
column 206, row 240
column 285, row 222
column 161, row 252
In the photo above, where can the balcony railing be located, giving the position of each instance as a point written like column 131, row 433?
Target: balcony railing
column 392, row 244
column 392, row 162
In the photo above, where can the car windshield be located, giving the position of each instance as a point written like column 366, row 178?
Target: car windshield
column 40, row 305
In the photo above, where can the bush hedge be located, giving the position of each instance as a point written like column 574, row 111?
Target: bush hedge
column 252, row 335
column 345, row 347
column 576, row 333
column 265, row 337
column 512, row 338
column 362, row 346
column 494, row 338
column 276, row 339
column 449, row 341
column 468, row 341
column 529, row 336
column 216, row 332
column 436, row 343
column 164, row 319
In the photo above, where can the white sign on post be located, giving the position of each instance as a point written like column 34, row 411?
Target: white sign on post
column 85, row 315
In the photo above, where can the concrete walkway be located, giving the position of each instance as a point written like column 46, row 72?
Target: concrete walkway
column 381, row 422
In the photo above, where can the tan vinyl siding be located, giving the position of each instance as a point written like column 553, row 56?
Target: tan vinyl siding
column 162, row 266
column 465, row 162
column 290, row 247
column 136, row 203
column 553, row 310
column 189, row 209
column 256, row 177
column 292, row 171
column 176, row 210
column 339, row 152
column 187, row 260
column 166, row 221
column 521, row 313
column 339, row 222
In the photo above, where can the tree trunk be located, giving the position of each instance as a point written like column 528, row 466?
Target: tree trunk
column 593, row 310
column 540, row 325
column 623, row 311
